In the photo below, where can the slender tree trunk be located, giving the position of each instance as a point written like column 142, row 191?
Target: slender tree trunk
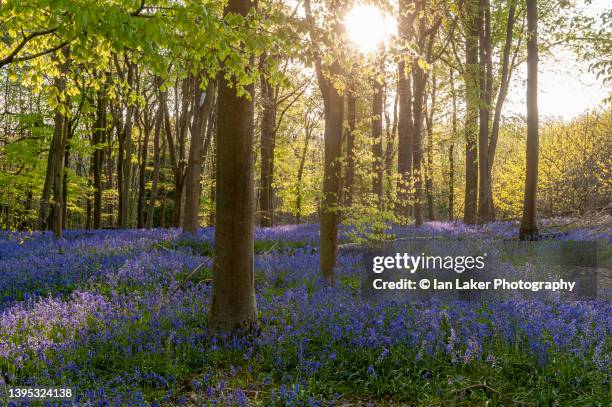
column 213, row 189
column 419, row 78
column 405, row 126
column 268, row 136
column 98, row 158
column 45, row 207
column 429, row 172
column 203, row 102
column 156, row 165
column 471, row 112
column 485, row 90
column 529, row 228
column 351, row 106
column 142, row 171
column 69, row 135
column 300, row 175
column 377, row 147
column 501, row 97
column 58, row 178
column 233, row 301
column 333, row 102
column 124, row 160
column 451, row 152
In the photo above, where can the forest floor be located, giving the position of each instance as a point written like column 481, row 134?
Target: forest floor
column 121, row 318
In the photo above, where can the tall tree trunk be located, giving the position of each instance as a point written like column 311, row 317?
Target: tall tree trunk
column 300, row 175
column 69, row 135
column 351, row 106
column 451, row 151
column 124, row 161
column 429, row 172
column 472, row 94
column 501, row 97
column 419, row 77
column 377, row 142
column 529, row 228
column 142, row 171
column 98, row 158
column 405, row 126
column 45, row 207
column 233, row 301
column 156, row 165
column 203, row 102
column 58, row 177
column 174, row 149
column 485, row 90
column 333, row 103
column 268, row 136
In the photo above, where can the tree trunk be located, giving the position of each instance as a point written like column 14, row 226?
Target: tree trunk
column 58, row 177
column 155, row 175
column 124, row 161
column 233, row 301
column 351, row 106
column 377, row 147
column 419, row 77
column 203, row 101
column 419, row 80
column 472, row 92
column 429, row 172
column 300, row 175
column 69, row 135
column 44, row 212
column 142, row 171
column 501, row 97
column 529, row 228
column 451, row 151
column 405, row 127
column 268, row 125
column 333, row 111
column 98, row 158
column 485, row 90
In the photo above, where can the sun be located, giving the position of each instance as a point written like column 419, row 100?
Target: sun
column 368, row 27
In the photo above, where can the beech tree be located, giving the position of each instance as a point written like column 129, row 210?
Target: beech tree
column 233, row 302
column 328, row 76
column 529, row 228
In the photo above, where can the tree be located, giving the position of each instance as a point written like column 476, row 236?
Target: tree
column 472, row 93
column 233, row 302
column 333, row 103
column 203, row 103
column 529, row 228
column 405, row 122
column 377, row 142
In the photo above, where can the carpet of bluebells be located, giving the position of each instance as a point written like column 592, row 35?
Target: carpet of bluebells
column 120, row 317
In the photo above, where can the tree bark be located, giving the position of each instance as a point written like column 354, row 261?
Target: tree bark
column 98, row 158
column 142, row 171
column 351, row 106
column 333, row 103
column 405, row 127
column 451, row 151
column 203, row 102
column 156, row 165
column 472, row 92
column 529, row 228
column 300, row 175
column 429, row 172
column 377, row 147
column 268, row 136
column 233, row 302
column 485, row 90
